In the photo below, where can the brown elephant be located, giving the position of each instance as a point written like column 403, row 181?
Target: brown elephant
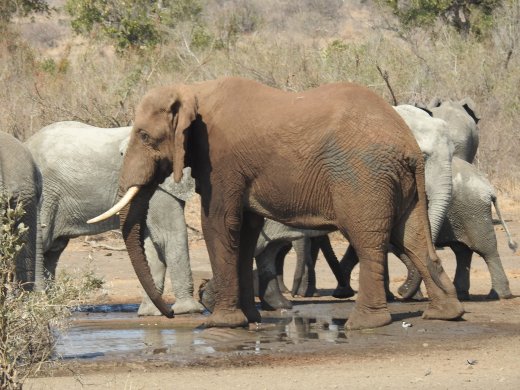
column 334, row 157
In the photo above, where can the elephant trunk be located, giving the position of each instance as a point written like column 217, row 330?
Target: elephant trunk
column 439, row 188
column 133, row 223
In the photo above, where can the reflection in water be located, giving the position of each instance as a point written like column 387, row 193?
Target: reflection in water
column 111, row 334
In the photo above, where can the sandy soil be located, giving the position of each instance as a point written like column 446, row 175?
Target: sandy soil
column 480, row 352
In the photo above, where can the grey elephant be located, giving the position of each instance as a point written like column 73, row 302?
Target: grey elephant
column 462, row 118
column 432, row 137
column 468, row 229
column 20, row 179
column 272, row 245
column 80, row 166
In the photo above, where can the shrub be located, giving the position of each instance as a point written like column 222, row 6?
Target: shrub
column 28, row 319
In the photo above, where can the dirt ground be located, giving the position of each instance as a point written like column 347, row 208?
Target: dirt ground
column 479, row 352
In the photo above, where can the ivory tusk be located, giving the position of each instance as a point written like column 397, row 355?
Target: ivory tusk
column 132, row 191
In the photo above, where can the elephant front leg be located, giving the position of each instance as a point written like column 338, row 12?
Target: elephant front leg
column 221, row 229
column 304, row 283
column 251, row 226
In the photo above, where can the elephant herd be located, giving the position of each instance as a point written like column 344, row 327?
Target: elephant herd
column 274, row 169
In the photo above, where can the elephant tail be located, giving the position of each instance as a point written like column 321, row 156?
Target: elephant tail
column 512, row 244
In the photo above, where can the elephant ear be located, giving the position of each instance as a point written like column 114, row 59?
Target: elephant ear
column 184, row 111
column 434, row 103
column 424, row 107
column 471, row 108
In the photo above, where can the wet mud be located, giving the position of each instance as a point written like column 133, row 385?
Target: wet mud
column 114, row 333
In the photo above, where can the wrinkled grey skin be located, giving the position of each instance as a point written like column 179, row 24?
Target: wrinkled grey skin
column 272, row 239
column 469, row 229
column 80, row 166
column 21, row 180
column 432, row 137
column 462, row 119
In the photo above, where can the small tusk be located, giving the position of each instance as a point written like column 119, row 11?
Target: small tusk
column 132, row 191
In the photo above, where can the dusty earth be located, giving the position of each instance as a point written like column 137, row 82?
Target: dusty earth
column 304, row 348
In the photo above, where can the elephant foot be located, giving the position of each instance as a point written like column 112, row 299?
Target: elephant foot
column 494, row 294
column 343, row 292
column 252, row 314
column 147, row 308
column 446, row 309
column 463, row 295
column 187, row 306
column 360, row 319
column 273, row 299
column 234, row 318
column 272, row 302
column 306, row 292
column 418, row 296
column 281, row 284
column 407, row 291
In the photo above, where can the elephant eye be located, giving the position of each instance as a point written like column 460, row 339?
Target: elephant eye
column 144, row 137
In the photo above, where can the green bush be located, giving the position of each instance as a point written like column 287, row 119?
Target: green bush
column 28, row 319
column 20, row 8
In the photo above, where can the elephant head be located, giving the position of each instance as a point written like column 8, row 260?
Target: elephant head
column 157, row 146
column 433, row 139
column 462, row 119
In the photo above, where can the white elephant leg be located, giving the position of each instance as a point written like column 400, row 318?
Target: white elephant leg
column 304, row 283
column 158, row 270
column 177, row 257
column 499, row 282
column 167, row 227
column 487, row 249
column 279, row 263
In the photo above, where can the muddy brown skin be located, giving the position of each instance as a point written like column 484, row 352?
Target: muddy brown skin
column 335, row 157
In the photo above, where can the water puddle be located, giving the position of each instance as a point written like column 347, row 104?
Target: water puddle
column 114, row 332
column 110, row 331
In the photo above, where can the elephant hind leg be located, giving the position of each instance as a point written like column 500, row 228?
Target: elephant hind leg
column 370, row 241
column 462, row 272
column 410, row 237
column 499, row 281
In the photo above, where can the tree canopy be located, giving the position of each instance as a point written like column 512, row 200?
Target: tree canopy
column 464, row 15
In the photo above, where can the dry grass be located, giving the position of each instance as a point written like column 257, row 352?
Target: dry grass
column 286, row 44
